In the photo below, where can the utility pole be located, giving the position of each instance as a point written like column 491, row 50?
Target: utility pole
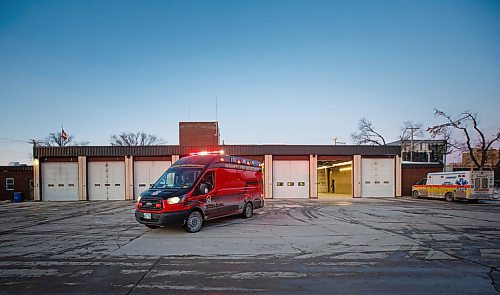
column 412, row 129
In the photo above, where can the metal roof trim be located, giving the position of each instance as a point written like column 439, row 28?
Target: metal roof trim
column 243, row 150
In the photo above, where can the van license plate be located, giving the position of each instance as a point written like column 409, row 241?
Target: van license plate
column 147, row 215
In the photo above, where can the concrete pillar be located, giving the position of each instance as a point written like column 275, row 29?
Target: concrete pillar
column 356, row 176
column 129, row 178
column 313, row 176
column 82, row 178
column 174, row 158
column 36, row 180
column 268, row 176
column 398, row 176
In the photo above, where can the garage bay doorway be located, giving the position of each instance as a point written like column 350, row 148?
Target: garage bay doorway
column 334, row 178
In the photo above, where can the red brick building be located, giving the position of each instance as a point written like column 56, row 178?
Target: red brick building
column 16, row 179
column 199, row 134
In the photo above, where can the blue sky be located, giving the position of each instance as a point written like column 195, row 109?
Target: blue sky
column 295, row 72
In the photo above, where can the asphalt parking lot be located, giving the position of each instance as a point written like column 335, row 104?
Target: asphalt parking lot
column 375, row 246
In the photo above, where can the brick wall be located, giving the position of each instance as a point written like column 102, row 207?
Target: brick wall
column 21, row 175
column 198, row 133
column 411, row 173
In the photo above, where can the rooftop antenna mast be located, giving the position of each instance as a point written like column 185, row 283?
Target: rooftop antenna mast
column 216, row 110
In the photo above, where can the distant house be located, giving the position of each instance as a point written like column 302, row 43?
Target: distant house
column 423, row 150
column 17, row 178
column 492, row 158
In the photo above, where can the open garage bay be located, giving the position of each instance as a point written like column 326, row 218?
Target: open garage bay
column 301, row 246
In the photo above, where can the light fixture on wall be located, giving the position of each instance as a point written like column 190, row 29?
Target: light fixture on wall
column 335, row 165
column 345, row 169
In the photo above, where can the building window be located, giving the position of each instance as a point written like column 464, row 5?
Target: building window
column 9, row 184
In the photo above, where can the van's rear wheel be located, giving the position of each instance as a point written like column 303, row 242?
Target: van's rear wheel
column 194, row 222
column 415, row 194
column 248, row 210
column 448, row 197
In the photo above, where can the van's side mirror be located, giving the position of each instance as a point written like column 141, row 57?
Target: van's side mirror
column 203, row 188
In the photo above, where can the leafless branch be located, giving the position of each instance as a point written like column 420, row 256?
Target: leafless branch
column 55, row 140
column 462, row 123
column 134, row 139
column 366, row 134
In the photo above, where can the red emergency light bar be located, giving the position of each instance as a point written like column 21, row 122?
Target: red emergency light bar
column 204, row 153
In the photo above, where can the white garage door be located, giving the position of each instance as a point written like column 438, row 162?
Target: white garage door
column 146, row 173
column 377, row 177
column 106, row 181
column 290, row 179
column 60, row 181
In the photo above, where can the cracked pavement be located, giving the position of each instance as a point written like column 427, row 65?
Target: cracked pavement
column 340, row 245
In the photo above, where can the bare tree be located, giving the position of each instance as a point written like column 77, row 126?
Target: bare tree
column 451, row 145
column 366, row 134
column 55, row 139
column 134, row 139
column 475, row 138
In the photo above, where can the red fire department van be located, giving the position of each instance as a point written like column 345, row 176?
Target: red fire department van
column 201, row 187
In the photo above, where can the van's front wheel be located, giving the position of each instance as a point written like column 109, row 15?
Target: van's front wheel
column 248, row 210
column 194, row 222
column 415, row 194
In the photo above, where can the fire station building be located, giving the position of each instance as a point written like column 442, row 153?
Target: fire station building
column 290, row 171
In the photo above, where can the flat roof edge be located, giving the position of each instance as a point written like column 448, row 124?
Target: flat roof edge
column 248, row 150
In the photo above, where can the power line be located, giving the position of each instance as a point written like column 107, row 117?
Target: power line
column 13, row 140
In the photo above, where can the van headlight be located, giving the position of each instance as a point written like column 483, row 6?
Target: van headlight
column 173, row 200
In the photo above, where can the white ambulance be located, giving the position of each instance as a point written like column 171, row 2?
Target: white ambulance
column 465, row 185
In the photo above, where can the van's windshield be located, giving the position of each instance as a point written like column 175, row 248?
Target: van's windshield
column 178, row 178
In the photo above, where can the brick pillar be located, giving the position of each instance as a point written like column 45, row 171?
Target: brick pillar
column 82, row 178
column 356, row 175
column 398, row 176
column 129, row 178
column 313, row 176
column 268, row 176
column 36, row 181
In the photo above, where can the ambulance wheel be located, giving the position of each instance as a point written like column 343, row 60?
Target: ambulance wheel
column 152, row 226
column 248, row 210
column 415, row 195
column 194, row 222
column 448, row 197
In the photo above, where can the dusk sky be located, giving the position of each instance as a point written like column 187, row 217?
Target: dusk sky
column 294, row 72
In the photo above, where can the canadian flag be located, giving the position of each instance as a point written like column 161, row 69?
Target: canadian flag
column 64, row 136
